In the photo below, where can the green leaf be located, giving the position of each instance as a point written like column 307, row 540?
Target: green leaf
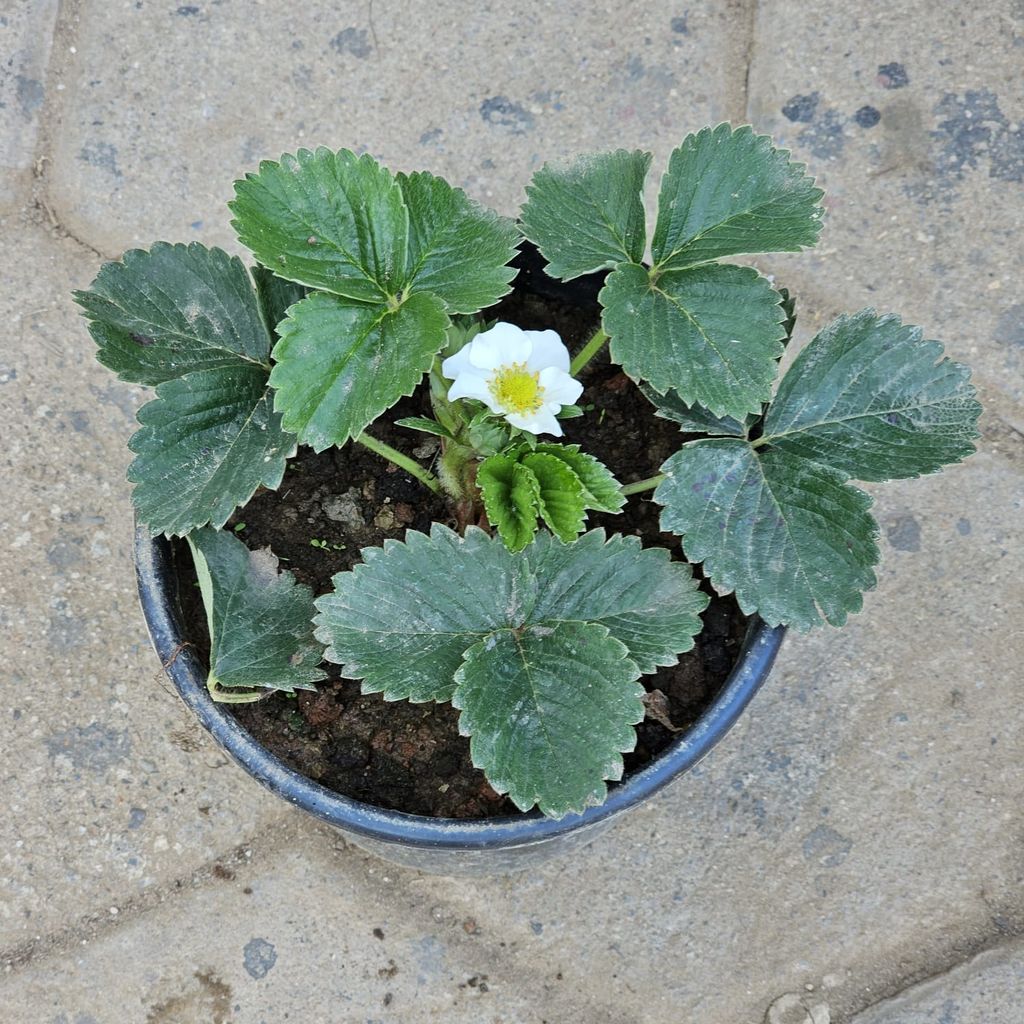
column 160, row 314
column 260, row 622
column 488, row 434
column 187, row 319
column 549, row 712
column 601, row 491
column 589, row 215
column 649, row 602
column 207, row 441
column 560, row 495
column 694, row 419
column 510, row 494
column 340, row 364
column 790, row 537
column 711, row 333
column 424, row 425
column 328, row 220
column 870, row 399
column 728, row 192
column 276, row 296
column 458, row 250
column 403, row 620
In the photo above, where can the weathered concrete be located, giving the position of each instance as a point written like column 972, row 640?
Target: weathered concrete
column 858, row 832
column 986, row 990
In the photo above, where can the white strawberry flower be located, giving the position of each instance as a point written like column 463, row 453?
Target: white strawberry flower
column 521, row 375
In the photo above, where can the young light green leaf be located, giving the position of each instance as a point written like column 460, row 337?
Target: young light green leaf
column 693, row 419
column 402, row 619
column 160, row 314
column 275, row 295
column 340, row 364
column 549, row 712
column 790, row 537
column 560, row 495
column 728, row 192
column 458, row 250
column 510, row 494
column 712, row 333
column 601, row 491
column 207, row 441
column 260, row 621
column 424, row 425
column 334, row 221
column 588, row 215
column 870, row 399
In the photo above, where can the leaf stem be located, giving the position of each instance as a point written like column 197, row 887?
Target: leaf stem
column 643, row 485
column 588, row 352
column 413, row 468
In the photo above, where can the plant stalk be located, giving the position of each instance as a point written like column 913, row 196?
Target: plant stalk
column 643, row 485
column 588, row 352
column 413, row 468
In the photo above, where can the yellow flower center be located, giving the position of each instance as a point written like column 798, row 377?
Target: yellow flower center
column 517, row 389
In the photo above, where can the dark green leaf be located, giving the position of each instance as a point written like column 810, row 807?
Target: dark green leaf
column 509, row 491
column 560, row 495
column 207, row 442
column 870, row 399
column 328, row 220
column 549, row 711
column 160, row 314
column 340, row 364
column 791, row 538
column 588, row 215
column 276, row 295
column 601, row 491
column 260, row 622
column 458, row 250
column 728, row 192
column 711, row 333
column 403, row 620
column 693, row 419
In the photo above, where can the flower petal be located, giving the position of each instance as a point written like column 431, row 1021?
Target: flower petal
column 542, row 421
column 472, row 385
column 502, row 345
column 458, row 363
column 548, row 350
column 559, row 386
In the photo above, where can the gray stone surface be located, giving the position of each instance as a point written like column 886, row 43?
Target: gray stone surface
column 986, row 990
column 857, row 832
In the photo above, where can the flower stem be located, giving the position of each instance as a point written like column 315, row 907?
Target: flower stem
column 588, row 352
column 643, row 485
column 411, row 467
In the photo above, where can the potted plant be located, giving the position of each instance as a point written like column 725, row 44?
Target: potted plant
column 384, row 326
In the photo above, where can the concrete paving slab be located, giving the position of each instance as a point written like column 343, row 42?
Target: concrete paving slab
column 986, row 990
column 110, row 792
column 26, row 36
column 152, row 136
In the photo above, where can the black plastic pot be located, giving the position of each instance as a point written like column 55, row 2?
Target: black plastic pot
column 442, row 845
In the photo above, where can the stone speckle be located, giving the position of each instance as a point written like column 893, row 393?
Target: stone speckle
column 801, row 108
column 904, row 533
column 353, row 41
column 892, row 76
column 867, row 117
column 501, row 112
column 259, row 958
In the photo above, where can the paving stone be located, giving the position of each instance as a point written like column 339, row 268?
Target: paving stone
column 911, row 116
column 109, row 789
column 987, row 990
column 26, row 33
column 483, row 93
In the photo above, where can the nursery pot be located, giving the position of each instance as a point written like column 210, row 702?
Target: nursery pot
column 449, row 846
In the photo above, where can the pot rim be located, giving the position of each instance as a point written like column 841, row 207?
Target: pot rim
column 158, row 595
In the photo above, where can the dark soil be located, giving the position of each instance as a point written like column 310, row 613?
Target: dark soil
column 410, row 757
